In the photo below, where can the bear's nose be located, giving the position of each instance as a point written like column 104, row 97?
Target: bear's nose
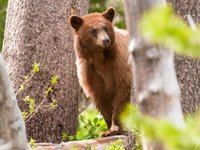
column 106, row 42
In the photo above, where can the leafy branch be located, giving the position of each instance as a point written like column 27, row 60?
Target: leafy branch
column 160, row 26
column 35, row 69
column 174, row 138
column 33, row 108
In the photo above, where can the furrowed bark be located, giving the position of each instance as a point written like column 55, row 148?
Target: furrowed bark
column 156, row 88
column 12, row 127
column 187, row 68
column 39, row 31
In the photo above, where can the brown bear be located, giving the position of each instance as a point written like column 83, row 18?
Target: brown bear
column 101, row 60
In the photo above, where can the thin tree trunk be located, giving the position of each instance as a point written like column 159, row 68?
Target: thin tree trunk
column 12, row 127
column 188, row 69
column 39, row 31
column 156, row 88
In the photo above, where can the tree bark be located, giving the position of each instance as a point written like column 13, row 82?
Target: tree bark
column 188, row 69
column 156, row 87
column 39, row 31
column 12, row 127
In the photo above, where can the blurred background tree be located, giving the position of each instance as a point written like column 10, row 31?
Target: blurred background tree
column 95, row 6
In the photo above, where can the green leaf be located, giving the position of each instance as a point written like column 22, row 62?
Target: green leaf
column 27, row 99
column 31, row 108
column 53, row 104
column 54, row 80
column 160, row 26
column 95, row 120
column 24, row 114
column 21, row 88
column 35, row 67
column 64, row 136
column 32, row 143
column 48, row 90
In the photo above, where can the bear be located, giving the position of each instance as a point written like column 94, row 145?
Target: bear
column 101, row 51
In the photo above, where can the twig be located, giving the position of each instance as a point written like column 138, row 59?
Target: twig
column 191, row 22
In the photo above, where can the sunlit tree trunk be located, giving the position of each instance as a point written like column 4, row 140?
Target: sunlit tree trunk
column 157, row 91
column 39, row 31
column 188, row 69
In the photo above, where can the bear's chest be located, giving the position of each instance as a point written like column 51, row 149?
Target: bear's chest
column 96, row 79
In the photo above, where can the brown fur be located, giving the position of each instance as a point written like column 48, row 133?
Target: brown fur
column 103, row 71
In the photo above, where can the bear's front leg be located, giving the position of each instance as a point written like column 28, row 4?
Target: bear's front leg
column 106, row 110
column 116, row 127
column 114, row 130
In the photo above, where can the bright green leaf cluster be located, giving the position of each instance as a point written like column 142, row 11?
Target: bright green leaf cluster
column 31, row 102
column 32, row 143
column 48, row 90
column 54, row 80
column 24, row 114
column 160, row 26
column 64, row 136
column 35, row 67
column 91, row 125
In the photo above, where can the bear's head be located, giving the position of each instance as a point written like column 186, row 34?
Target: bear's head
column 95, row 30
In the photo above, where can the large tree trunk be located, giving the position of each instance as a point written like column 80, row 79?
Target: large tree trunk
column 156, row 87
column 38, row 31
column 188, row 69
column 12, row 127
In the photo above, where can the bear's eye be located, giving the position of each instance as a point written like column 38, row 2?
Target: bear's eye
column 94, row 32
column 105, row 29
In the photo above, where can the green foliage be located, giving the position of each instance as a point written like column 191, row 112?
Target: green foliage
column 53, row 104
column 33, row 108
column 36, row 67
column 117, row 145
column 54, row 80
column 48, row 90
column 3, row 5
column 27, row 78
column 174, row 138
column 32, row 143
column 161, row 27
column 31, row 102
column 91, row 125
column 24, row 114
column 102, row 5
column 97, row 5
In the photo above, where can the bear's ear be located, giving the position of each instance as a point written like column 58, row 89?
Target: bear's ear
column 75, row 22
column 109, row 14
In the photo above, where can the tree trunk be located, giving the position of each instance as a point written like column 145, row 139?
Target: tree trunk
column 156, row 87
column 39, row 31
column 12, row 127
column 188, row 69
